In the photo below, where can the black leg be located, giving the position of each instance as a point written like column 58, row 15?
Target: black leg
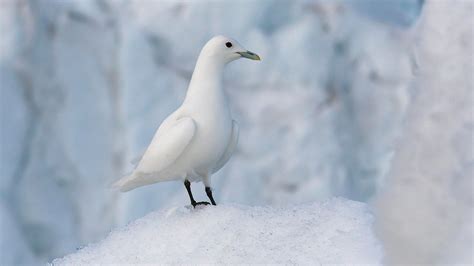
column 209, row 194
column 187, row 184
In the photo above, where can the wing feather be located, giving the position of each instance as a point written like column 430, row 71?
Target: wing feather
column 167, row 146
column 169, row 142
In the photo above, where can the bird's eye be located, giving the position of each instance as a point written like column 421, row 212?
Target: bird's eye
column 228, row 44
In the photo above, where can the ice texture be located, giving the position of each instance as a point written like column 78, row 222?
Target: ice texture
column 336, row 231
column 425, row 213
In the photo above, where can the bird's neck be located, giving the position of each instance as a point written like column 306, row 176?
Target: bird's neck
column 206, row 83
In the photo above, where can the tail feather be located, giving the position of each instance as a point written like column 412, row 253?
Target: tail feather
column 138, row 179
column 126, row 183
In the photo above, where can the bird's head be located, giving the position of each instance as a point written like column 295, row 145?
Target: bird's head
column 226, row 50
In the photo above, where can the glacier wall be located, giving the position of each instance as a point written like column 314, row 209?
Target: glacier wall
column 59, row 119
column 425, row 212
column 84, row 85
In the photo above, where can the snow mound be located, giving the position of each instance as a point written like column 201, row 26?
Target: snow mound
column 333, row 231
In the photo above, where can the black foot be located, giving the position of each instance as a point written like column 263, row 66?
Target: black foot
column 200, row 203
column 209, row 194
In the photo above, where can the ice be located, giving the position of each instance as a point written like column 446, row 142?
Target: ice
column 425, row 212
column 336, row 231
column 11, row 240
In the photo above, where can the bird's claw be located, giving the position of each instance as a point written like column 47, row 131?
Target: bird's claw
column 200, row 203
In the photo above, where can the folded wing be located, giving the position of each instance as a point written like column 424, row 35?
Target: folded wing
column 166, row 147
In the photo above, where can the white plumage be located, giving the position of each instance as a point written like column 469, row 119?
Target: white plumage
column 198, row 138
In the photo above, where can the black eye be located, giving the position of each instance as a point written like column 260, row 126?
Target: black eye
column 228, row 44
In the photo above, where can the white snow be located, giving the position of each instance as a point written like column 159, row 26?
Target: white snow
column 329, row 232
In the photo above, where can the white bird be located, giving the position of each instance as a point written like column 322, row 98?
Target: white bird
column 198, row 138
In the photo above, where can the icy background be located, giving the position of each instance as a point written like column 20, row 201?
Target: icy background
column 425, row 210
column 85, row 83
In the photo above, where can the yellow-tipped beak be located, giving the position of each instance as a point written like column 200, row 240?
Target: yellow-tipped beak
column 249, row 55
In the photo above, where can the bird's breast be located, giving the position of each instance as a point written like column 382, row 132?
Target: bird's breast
column 207, row 105
column 213, row 132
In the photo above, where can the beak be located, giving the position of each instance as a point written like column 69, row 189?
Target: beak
column 249, row 55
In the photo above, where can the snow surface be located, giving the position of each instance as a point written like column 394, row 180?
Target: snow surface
column 330, row 232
